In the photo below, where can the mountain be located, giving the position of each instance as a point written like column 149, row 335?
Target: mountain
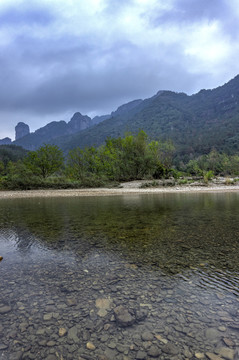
column 97, row 119
column 123, row 110
column 78, row 123
column 5, row 141
column 49, row 132
column 127, row 109
column 196, row 123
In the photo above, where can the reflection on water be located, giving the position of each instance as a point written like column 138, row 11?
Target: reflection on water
column 170, row 260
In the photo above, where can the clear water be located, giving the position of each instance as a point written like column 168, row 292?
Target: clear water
column 69, row 262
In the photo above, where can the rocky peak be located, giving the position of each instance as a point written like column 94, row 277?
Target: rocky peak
column 21, row 130
column 78, row 122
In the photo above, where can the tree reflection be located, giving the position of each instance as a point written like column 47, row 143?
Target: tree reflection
column 173, row 232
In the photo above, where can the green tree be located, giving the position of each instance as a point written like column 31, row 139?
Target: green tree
column 45, row 161
column 166, row 153
column 193, row 167
column 82, row 163
column 121, row 159
column 2, row 168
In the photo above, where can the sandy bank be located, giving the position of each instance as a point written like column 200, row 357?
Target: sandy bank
column 130, row 189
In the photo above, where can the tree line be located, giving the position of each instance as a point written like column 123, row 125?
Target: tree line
column 133, row 157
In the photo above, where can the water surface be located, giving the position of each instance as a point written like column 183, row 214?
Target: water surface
column 170, row 260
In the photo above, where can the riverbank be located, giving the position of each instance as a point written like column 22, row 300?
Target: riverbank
column 125, row 188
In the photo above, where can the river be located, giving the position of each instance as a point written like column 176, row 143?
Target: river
column 120, row 277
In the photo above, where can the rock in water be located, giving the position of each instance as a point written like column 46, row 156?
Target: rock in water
column 1, row 258
column 147, row 336
column 103, row 305
column 123, row 316
column 62, row 332
column 170, row 349
column 5, row 309
column 90, row 346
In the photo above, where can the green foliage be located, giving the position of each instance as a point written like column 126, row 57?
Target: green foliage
column 132, row 157
column 219, row 164
column 193, row 168
column 182, row 181
column 18, row 176
column 45, row 161
column 208, row 176
column 2, row 168
column 121, row 159
column 10, row 153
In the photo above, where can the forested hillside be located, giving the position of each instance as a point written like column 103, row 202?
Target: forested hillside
column 196, row 124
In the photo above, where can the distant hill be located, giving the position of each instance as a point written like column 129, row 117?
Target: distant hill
column 196, row 123
column 55, row 129
column 5, row 141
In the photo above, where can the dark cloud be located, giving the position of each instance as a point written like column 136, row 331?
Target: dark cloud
column 26, row 16
column 89, row 78
column 61, row 59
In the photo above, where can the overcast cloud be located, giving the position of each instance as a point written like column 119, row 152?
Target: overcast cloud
column 58, row 57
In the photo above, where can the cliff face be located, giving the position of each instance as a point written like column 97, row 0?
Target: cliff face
column 21, row 130
column 78, row 122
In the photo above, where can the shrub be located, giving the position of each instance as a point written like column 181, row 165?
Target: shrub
column 208, row 176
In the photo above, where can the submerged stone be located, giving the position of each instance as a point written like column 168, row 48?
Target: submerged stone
column 199, row 355
column 90, row 346
column 147, row 336
column 103, row 305
column 154, row 351
column 123, row 316
column 47, row 317
column 5, row 309
column 141, row 355
column 72, row 334
column 62, row 332
column 212, row 356
column 227, row 353
column 212, row 334
column 170, row 349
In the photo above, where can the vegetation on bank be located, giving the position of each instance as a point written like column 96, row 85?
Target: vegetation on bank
column 118, row 160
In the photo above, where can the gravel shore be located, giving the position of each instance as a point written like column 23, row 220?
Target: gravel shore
column 125, row 188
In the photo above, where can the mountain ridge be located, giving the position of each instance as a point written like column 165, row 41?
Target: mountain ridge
column 52, row 130
column 195, row 123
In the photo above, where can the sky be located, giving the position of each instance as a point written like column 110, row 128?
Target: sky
column 62, row 56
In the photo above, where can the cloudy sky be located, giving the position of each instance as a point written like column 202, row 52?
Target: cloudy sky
column 62, row 56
